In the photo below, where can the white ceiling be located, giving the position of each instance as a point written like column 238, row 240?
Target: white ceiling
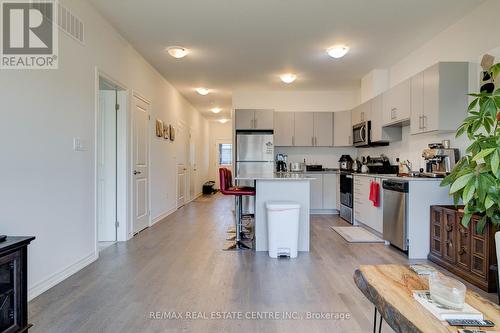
column 246, row 44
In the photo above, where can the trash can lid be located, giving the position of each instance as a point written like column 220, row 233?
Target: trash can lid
column 282, row 205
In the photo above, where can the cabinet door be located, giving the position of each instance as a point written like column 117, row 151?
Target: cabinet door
column 316, row 191
column 376, row 118
column 430, row 117
column 264, row 119
column 358, row 200
column 397, row 103
column 283, row 128
column 480, row 245
column 449, row 245
column 366, row 111
column 342, row 129
column 244, row 119
column 338, row 193
column 304, row 129
column 323, row 129
column 329, row 191
column 356, row 115
column 463, row 240
column 417, row 103
column 436, row 231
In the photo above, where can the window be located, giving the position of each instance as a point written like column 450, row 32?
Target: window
column 225, row 153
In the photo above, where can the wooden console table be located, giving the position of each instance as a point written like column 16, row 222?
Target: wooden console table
column 389, row 288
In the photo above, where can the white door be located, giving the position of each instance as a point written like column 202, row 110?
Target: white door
column 181, row 185
column 223, row 158
column 182, row 142
column 194, row 187
column 140, row 155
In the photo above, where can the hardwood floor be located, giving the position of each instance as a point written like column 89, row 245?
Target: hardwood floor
column 178, row 265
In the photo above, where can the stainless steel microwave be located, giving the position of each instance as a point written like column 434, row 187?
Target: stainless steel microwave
column 361, row 134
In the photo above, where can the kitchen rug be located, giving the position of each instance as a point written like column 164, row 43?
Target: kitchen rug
column 357, row 235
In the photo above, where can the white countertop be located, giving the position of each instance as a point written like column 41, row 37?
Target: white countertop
column 394, row 176
column 276, row 176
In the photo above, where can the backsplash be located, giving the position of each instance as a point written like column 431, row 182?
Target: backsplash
column 411, row 147
column 327, row 156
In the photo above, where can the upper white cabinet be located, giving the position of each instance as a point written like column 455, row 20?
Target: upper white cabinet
column 284, row 123
column 379, row 133
column 342, row 131
column 439, row 97
column 251, row 119
column 304, row 129
column 397, row 104
column 361, row 113
column 323, row 129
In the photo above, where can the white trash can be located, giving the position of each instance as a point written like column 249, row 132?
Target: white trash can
column 283, row 228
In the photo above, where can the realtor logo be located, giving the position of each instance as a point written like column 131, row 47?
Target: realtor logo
column 29, row 35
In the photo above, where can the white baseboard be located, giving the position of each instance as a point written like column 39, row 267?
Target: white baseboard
column 58, row 277
column 323, row 212
column 162, row 216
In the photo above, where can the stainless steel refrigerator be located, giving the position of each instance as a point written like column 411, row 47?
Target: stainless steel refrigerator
column 254, row 155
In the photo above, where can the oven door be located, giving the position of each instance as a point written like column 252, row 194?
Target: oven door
column 346, row 189
column 360, row 134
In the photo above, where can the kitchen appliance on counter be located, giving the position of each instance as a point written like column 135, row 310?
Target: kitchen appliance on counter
column 314, row 167
column 281, row 163
column 439, row 161
column 297, row 166
column 395, row 208
column 346, row 196
column 380, row 164
column 254, row 155
column 345, row 163
column 361, row 134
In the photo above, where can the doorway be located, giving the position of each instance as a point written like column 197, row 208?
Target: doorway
column 224, row 157
column 183, row 165
column 111, row 120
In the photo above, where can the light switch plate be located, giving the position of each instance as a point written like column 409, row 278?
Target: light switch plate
column 79, row 144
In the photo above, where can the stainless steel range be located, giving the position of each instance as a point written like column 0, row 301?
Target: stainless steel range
column 346, row 197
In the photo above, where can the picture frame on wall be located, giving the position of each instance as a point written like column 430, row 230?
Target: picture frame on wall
column 159, row 128
column 172, row 133
column 166, row 132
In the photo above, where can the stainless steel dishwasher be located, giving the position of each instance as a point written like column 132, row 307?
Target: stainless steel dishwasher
column 395, row 198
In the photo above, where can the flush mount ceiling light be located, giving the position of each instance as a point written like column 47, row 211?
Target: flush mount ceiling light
column 223, row 121
column 288, row 78
column 202, row 91
column 337, row 51
column 216, row 110
column 177, row 51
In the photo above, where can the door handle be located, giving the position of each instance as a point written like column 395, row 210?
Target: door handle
column 137, row 172
column 293, row 140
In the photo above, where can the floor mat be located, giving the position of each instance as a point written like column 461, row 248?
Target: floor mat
column 357, row 235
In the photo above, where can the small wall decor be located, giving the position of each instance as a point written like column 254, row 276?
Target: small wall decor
column 172, row 133
column 166, row 132
column 159, row 128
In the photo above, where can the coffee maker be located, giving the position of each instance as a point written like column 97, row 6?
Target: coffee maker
column 439, row 161
column 281, row 163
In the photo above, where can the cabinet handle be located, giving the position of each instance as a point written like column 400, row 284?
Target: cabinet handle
column 350, row 142
column 255, row 123
column 449, row 228
column 312, row 140
column 362, row 116
column 420, row 122
column 462, row 250
column 424, row 126
column 393, row 113
column 293, row 140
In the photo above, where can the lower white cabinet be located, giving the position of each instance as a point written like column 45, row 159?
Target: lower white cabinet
column 364, row 210
column 324, row 191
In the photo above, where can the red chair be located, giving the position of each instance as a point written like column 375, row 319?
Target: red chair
column 227, row 188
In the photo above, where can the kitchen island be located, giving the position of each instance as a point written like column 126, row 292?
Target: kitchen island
column 280, row 187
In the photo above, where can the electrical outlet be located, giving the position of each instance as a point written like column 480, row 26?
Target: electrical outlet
column 79, row 144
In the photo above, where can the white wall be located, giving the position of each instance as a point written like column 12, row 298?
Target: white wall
column 326, row 156
column 313, row 101
column 218, row 132
column 47, row 188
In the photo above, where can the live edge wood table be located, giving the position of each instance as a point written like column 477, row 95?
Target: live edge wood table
column 389, row 288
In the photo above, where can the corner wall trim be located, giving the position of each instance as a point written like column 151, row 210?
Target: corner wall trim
column 58, row 277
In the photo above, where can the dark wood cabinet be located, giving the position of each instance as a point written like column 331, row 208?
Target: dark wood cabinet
column 463, row 251
column 13, row 285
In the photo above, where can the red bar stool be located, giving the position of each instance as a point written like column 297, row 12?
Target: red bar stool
column 227, row 188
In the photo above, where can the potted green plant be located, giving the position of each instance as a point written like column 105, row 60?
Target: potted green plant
column 475, row 179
